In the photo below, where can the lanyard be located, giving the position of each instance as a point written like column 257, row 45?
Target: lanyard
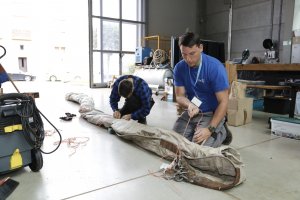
column 198, row 73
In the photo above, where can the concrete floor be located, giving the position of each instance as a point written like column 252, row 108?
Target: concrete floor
column 107, row 167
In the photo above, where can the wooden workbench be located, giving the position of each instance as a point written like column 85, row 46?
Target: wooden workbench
column 232, row 70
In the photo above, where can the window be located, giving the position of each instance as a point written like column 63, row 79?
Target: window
column 23, row 64
column 116, row 28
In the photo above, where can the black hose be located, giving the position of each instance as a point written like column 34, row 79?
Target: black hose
column 3, row 52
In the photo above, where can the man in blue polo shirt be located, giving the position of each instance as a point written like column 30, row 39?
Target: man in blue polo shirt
column 201, row 87
column 138, row 98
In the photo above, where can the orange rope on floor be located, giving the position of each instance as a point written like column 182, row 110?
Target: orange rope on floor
column 74, row 142
column 50, row 132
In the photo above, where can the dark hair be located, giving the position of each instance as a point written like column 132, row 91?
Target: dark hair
column 125, row 88
column 189, row 39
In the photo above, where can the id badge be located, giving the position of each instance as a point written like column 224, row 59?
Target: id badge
column 196, row 101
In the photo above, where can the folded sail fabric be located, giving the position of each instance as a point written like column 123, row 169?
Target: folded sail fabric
column 216, row 168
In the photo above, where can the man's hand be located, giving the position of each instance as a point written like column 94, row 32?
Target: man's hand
column 193, row 110
column 127, row 117
column 201, row 134
column 117, row 114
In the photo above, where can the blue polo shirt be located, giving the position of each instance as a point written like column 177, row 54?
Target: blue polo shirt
column 212, row 78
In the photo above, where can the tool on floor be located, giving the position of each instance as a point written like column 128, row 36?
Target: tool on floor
column 68, row 117
column 7, row 186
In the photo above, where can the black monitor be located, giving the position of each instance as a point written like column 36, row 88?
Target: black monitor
column 212, row 48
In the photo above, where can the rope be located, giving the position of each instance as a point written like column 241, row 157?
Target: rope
column 176, row 171
column 74, row 143
column 190, row 120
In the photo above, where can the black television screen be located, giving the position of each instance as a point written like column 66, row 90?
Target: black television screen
column 212, row 48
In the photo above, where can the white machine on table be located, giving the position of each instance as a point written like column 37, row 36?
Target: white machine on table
column 155, row 77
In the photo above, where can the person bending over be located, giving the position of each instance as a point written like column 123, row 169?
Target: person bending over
column 138, row 98
column 201, row 87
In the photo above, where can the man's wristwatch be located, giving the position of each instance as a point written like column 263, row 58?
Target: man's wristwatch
column 212, row 129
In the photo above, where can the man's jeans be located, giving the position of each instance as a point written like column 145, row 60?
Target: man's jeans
column 216, row 138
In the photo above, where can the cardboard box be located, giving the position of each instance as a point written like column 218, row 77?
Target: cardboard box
column 237, row 90
column 295, row 53
column 296, row 40
column 296, row 32
column 239, row 111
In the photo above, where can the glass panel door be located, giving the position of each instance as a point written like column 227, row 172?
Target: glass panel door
column 111, row 35
column 97, row 74
column 111, row 8
column 110, row 66
column 131, row 10
column 96, row 34
column 128, row 63
column 116, row 28
column 131, row 36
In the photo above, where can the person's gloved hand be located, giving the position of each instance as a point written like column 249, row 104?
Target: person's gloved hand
column 127, row 117
column 193, row 110
column 117, row 114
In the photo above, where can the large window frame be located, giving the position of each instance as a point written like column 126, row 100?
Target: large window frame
column 99, row 53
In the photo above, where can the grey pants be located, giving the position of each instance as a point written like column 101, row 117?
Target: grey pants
column 188, row 130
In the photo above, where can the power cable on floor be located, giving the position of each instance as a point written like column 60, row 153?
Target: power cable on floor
column 59, row 134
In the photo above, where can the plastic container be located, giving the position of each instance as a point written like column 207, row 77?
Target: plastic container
column 286, row 127
column 277, row 104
